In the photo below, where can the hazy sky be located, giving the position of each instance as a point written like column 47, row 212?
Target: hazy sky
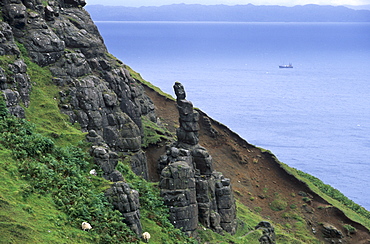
column 137, row 3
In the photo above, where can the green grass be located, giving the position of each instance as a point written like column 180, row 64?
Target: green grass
column 34, row 219
column 350, row 229
column 43, row 110
column 46, row 191
column 37, row 170
column 352, row 210
column 138, row 77
column 153, row 133
column 247, row 219
column 278, row 204
column 4, row 63
column 42, row 169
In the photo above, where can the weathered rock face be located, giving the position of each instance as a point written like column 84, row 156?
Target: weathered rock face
column 7, row 44
column 126, row 200
column 189, row 185
column 331, row 233
column 96, row 90
column 268, row 236
column 14, row 81
column 178, row 191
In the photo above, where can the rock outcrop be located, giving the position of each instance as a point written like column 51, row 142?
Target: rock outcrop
column 268, row 233
column 96, row 90
column 14, row 81
column 190, row 186
column 126, row 200
column 331, row 233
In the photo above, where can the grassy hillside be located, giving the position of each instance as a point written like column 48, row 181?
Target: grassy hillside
column 46, row 191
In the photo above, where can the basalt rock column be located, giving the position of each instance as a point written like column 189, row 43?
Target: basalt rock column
column 178, row 191
column 188, row 132
column 189, row 185
column 126, row 200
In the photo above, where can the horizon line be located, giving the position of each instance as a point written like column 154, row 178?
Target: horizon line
column 338, row 5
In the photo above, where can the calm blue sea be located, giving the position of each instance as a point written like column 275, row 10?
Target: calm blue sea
column 314, row 117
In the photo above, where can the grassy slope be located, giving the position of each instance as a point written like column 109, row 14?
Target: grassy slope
column 33, row 206
column 337, row 199
column 44, row 111
column 34, row 219
column 37, row 219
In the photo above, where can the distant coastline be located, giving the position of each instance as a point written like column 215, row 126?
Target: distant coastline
column 237, row 13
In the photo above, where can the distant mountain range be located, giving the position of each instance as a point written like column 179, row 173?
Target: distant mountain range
column 237, row 13
column 359, row 7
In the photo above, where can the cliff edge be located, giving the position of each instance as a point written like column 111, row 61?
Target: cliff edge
column 110, row 104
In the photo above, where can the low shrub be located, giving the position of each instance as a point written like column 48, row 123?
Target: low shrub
column 278, row 205
column 63, row 173
column 153, row 133
column 350, row 229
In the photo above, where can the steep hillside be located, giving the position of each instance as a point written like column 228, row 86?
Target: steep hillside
column 80, row 139
column 265, row 185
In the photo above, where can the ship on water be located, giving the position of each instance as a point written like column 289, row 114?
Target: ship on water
column 286, row 66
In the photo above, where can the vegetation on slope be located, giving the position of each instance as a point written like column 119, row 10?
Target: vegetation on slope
column 46, row 190
column 351, row 209
column 153, row 133
column 138, row 77
column 44, row 110
column 61, row 174
column 51, row 184
column 336, row 195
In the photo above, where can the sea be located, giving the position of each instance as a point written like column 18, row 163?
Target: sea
column 315, row 117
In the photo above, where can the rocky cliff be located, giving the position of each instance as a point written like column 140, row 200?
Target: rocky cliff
column 95, row 90
column 198, row 183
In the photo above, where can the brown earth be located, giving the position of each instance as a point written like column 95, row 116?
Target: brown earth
column 257, row 178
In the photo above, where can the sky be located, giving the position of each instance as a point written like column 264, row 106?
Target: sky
column 138, row 3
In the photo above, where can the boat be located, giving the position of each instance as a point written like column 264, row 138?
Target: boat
column 286, row 66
